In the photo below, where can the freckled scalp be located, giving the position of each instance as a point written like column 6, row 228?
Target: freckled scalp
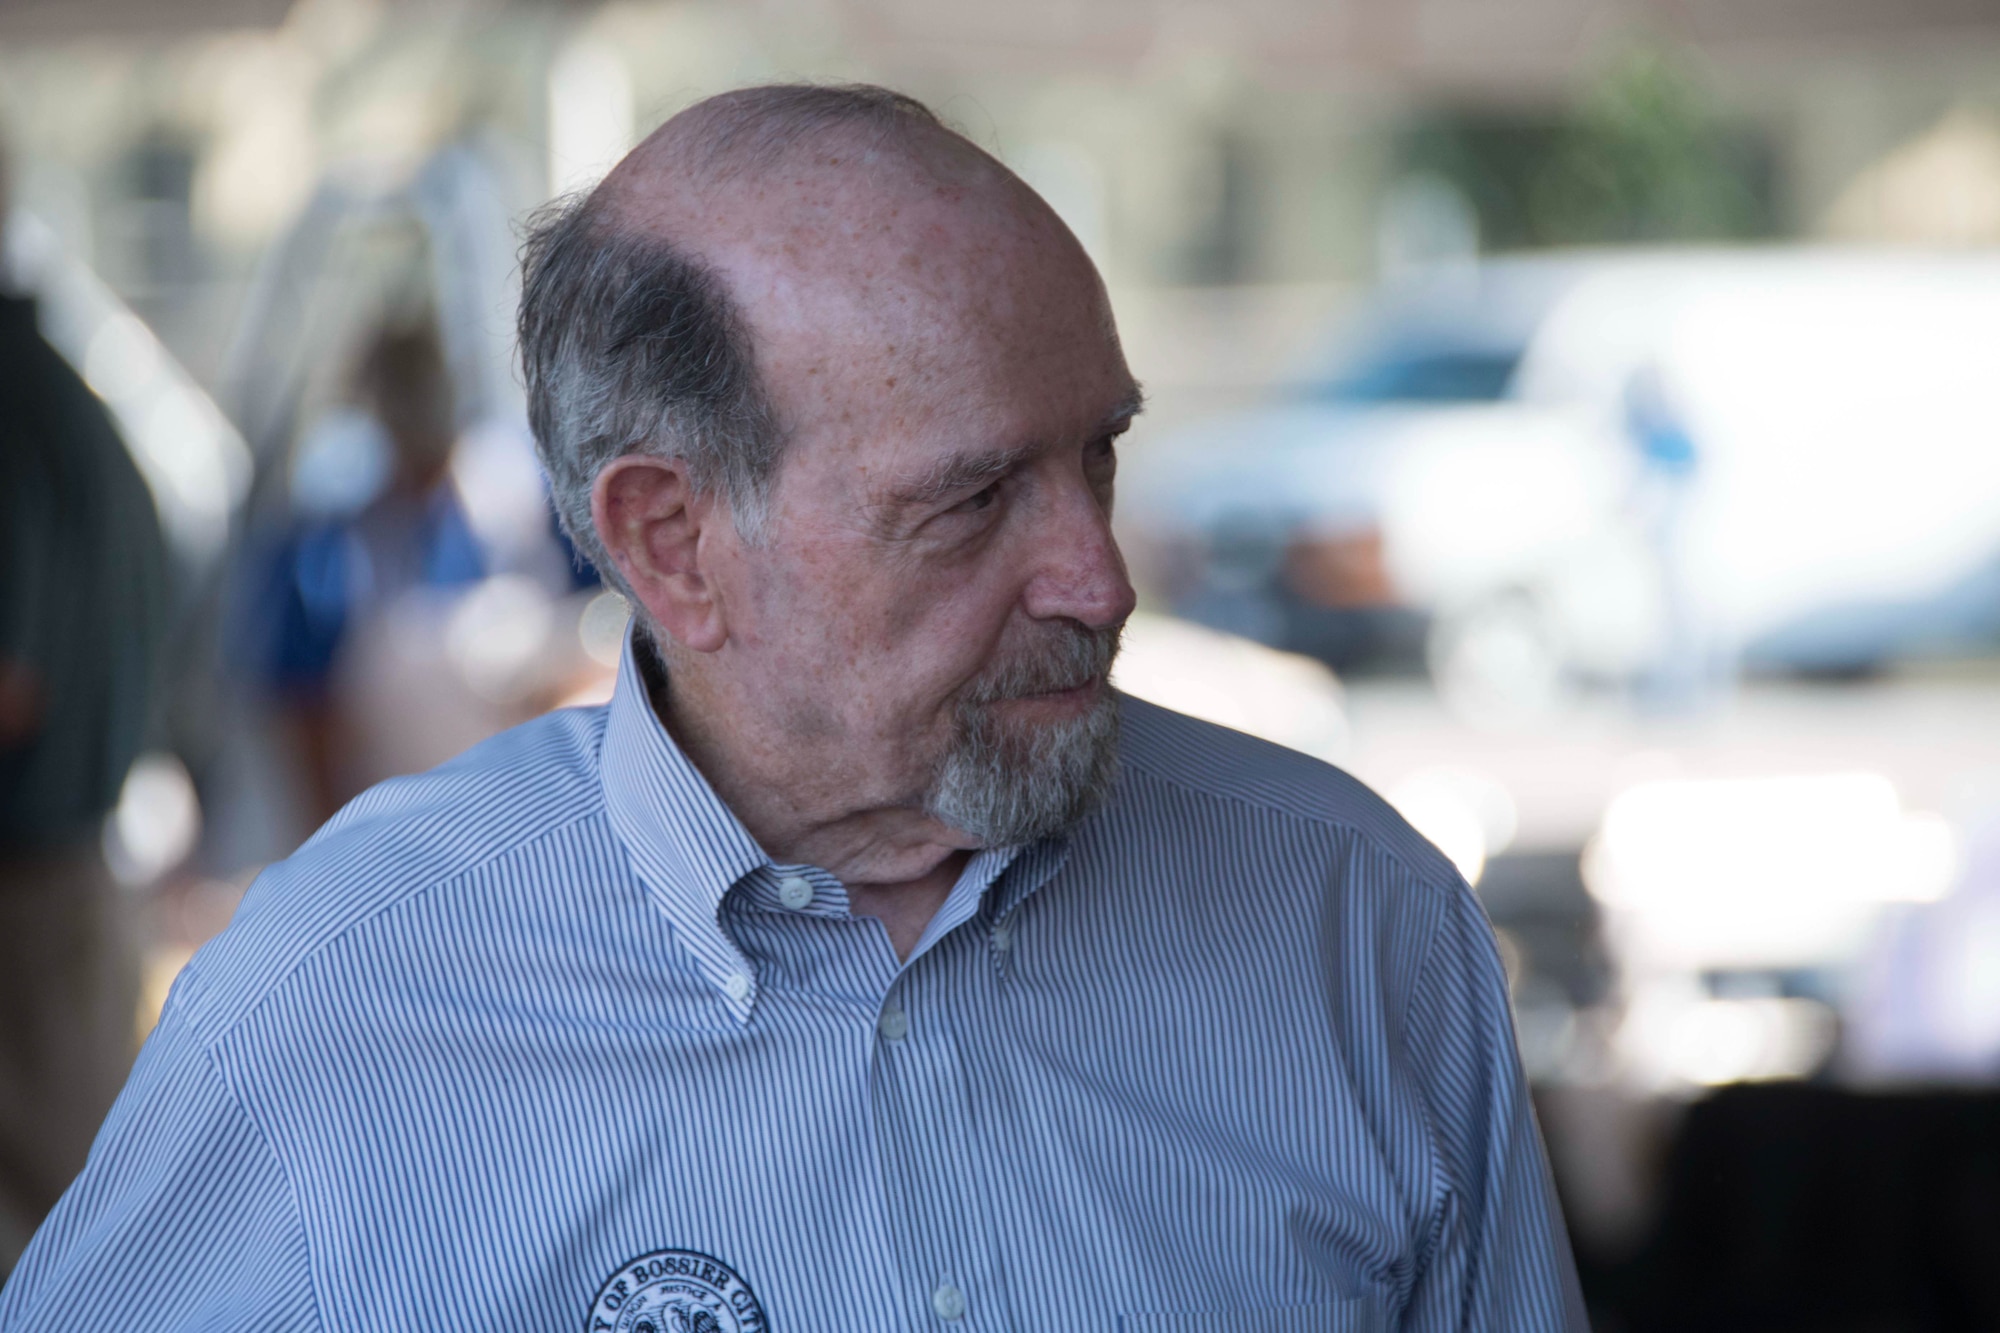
column 686, row 307
column 785, row 140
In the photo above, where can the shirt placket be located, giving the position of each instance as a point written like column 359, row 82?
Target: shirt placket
column 941, row 1221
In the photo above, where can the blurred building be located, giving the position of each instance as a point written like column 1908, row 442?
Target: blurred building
column 1274, row 145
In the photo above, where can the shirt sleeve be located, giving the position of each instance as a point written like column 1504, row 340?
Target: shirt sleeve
column 183, row 1217
column 1499, row 1257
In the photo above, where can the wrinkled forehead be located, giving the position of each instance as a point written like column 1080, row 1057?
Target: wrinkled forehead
column 938, row 322
column 918, row 281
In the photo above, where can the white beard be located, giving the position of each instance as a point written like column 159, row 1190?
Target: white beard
column 1009, row 785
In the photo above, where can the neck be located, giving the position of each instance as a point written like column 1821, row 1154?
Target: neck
column 897, row 862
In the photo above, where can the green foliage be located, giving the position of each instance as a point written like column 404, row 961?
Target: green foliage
column 1642, row 156
column 1645, row 159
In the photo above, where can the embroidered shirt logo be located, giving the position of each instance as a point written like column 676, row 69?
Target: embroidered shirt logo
column 675, row 1291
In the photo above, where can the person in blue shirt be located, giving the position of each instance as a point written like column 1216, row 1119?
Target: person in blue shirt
column 328, row 573
column 868, row 962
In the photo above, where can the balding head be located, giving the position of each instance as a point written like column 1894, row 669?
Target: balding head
column 745, row 133
column 656, row 310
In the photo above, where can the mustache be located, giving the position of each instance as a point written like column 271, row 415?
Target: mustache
column 1076, row 657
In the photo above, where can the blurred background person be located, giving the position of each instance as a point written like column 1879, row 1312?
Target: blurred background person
column 83, row 617
column 322, row 626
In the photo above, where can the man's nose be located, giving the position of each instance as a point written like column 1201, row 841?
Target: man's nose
column 1079, row 570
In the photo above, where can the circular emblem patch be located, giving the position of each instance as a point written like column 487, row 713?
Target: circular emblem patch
column 675, row 1291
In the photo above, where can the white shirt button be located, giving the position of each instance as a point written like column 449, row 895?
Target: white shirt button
column 948, row 1301
column 738, row 986
column 894, row 1026
column 795, row 891
column 1003, row 936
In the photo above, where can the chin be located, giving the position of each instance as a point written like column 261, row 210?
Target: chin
column 1028, row 768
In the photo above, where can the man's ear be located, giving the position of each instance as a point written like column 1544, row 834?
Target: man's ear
column 652, row 522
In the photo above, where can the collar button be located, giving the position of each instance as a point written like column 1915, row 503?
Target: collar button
column 795, row 892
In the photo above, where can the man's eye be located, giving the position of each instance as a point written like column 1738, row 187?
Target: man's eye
column 983, row 500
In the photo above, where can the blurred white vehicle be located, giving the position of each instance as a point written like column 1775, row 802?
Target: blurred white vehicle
column 1616, row 467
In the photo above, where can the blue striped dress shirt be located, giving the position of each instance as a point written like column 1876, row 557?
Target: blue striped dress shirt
column 542, row 1040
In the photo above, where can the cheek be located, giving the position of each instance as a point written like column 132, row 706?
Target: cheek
column 819, row 613
column 894, row 630
column 941, row 638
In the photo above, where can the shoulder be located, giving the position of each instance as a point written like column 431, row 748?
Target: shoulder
column 397, row 841
column 1287, row 866
column 1244, row 779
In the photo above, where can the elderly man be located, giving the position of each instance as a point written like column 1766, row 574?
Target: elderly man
column 866, row 963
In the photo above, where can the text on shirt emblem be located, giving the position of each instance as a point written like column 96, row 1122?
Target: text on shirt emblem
column 675, row 1291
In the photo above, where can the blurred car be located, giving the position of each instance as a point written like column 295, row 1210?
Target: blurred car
column 1612, row 468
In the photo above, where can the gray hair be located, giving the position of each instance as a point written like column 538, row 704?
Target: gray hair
column 630, row 345
column 1012, row 785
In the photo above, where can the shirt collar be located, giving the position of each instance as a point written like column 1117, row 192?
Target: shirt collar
column 690, row 849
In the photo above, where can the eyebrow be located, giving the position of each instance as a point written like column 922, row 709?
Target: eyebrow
column 966, row 472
